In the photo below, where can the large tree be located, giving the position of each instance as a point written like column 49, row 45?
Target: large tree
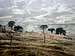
column 60, row 31
column 11, row 24
column 18, row 28
column 43, row 27
column 51, row 30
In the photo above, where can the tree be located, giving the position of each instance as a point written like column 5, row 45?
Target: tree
column 18, row 28
column 51, row 30
column 3, row 28
column 64, row 32
column 0, row 25
column 43, row 27
column 60, row 31
column 11, row 24
column 0, row 28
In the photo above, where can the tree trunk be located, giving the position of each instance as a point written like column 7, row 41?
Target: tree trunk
column 44, row 36
column 51, row 32
column 11, row 28
column 11, row 38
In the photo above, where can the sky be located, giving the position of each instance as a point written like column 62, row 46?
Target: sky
column 33, row 12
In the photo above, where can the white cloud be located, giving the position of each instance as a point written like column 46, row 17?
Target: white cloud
column 43, row 11
column 18, row 11
column 4, row 17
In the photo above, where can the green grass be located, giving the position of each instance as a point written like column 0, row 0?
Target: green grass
column 59, row 42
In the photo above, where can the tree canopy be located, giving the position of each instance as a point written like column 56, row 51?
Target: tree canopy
column 11, row 23
column 18, row 28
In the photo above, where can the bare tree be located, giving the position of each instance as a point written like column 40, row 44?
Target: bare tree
column 43, row 27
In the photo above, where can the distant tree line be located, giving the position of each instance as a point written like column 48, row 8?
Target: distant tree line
column 58, row 30
column 19, row 28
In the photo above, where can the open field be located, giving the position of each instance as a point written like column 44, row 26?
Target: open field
column 29, row 44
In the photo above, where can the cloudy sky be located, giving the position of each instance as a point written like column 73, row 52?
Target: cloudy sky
column 37, row 11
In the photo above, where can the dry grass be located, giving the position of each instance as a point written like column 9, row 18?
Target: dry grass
column 28, row 45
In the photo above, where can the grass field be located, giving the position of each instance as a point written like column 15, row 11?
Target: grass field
column 26, row 44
